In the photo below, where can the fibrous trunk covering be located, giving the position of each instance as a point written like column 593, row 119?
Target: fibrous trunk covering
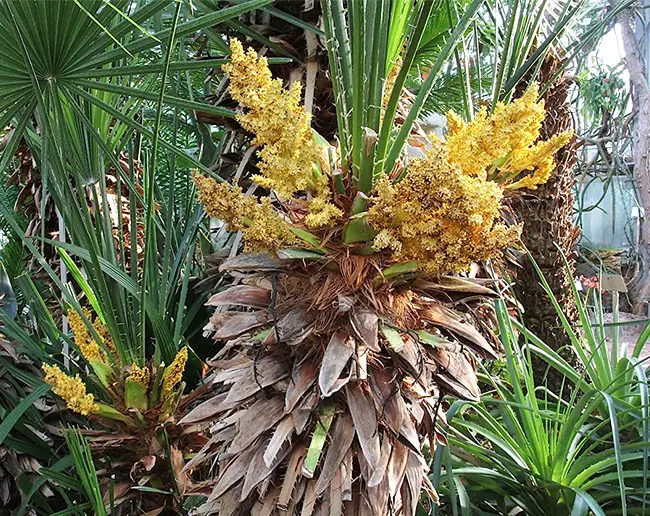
column 330, row 385
column 549, row 232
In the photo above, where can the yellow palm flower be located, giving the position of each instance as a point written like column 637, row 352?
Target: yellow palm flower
column 282, row 127
column 84, row 340
column 539, row 159
column 140, row 375
column 501, row 146
column 105, row 337
column 223, row 201
column 262, row 228
column 439, row 216
column 72, row 390
column 173, row 374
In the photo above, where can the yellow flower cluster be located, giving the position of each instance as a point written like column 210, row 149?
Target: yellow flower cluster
column 72, row 390
column 105, row 338
column 140, row 375
column 439, row 216
column 266, row 231
column 390, row 82
column 173, row 374
column 262, row 228
column 223, row 201
column 501, row 146
column 282, row 127
column 83, row 338
column 321, row 211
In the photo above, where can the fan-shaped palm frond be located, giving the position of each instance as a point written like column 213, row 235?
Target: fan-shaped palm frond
column 77, row 105
column 87, row 44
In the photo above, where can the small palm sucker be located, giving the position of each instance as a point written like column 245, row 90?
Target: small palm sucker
column 352, row 313
column 138, row 447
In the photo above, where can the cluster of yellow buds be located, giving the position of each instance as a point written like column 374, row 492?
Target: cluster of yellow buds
column 71, row 389
column 443, row 214
column 503, row 146
column 85, row 341
column 282, row 127
column 439, row 216
column 136, row 392
column 140, row 375
column 262, row 228
column 173, row 373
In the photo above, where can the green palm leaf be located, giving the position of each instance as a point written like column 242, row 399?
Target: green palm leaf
column 83, row 83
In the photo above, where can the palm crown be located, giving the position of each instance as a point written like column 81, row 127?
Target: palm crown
column 343, row 337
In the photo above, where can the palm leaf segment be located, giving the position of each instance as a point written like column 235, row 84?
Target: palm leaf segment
column 342, row 337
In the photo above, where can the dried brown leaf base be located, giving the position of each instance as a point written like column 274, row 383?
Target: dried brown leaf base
column 330, row 385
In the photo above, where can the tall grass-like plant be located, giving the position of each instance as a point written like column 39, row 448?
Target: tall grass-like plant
column 544, row 455
column 90, row 88
column 604, row 364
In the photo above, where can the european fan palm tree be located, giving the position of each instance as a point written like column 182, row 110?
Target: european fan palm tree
column 351, row 320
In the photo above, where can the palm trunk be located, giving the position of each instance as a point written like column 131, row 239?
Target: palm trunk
column 548, row 234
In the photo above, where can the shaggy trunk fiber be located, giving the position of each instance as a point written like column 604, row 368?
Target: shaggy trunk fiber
column 548, row 233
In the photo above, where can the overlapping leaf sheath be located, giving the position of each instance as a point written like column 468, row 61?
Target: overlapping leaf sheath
column 330, row 385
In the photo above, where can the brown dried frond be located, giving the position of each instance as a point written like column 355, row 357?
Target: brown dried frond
column 342, row 356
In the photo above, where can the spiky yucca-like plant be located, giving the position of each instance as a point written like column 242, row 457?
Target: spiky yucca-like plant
column 344, row 328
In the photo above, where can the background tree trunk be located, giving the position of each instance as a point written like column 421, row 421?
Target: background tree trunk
column 641, row 147
column 548, row 232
